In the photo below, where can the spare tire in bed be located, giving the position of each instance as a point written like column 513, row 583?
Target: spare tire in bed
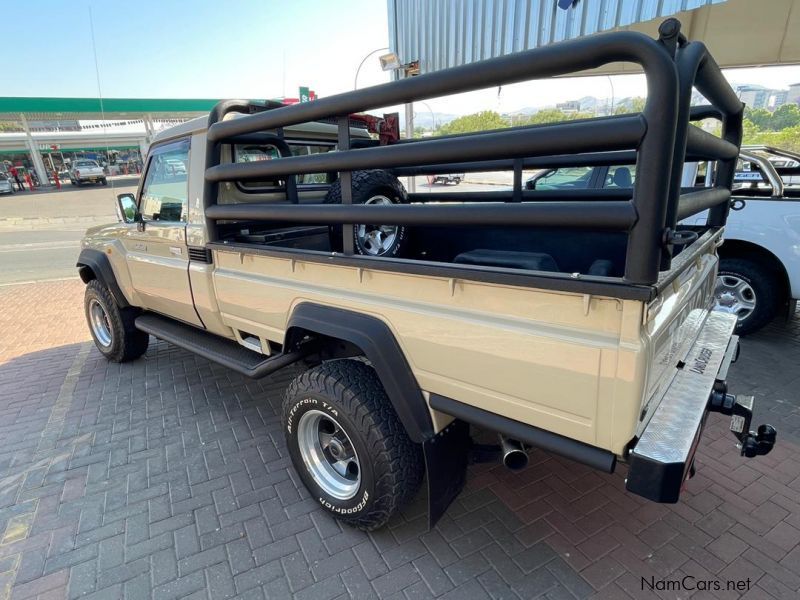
column 372, row 187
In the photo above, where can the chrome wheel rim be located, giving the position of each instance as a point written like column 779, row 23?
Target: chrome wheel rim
column 735, row 296
column 98, row 321
column 328, row 454
column 376, row 239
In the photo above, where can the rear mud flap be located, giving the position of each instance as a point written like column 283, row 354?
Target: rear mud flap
column 446, row 457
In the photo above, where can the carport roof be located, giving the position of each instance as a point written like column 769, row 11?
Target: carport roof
column 90, row 108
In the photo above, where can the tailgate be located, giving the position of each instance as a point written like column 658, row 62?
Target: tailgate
column 674, row 319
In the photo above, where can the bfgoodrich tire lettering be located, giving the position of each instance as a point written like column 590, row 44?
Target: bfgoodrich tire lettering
column 126, row 342
column 390, row 464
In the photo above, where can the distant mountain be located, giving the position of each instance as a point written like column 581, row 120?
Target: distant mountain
column 424, row 119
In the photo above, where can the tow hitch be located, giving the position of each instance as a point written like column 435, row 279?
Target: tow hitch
column 740, row 409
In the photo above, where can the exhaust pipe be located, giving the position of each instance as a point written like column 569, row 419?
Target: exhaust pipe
column 514, row 455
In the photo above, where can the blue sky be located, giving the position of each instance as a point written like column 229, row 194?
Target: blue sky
column 190, row 49
column 242, row 49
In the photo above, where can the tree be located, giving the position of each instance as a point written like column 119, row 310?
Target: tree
column 759, row 117
column 750, row 131
column 482, row 121
column 630, row 105
column 551, row 115
column 785, row 116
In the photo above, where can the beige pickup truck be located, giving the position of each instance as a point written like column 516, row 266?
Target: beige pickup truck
column 577, row 321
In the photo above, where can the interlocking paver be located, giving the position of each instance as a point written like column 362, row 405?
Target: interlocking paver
column 168, row 477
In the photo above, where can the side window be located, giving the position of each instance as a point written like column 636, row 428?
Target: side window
column 620, row 177
column 305, row 150
column 561, row 179
column 165, row 193
column 250, row 153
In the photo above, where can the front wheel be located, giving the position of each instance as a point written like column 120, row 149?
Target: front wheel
column 348, row 445
column 104, row 181
column 749, row 290
column 112, row 327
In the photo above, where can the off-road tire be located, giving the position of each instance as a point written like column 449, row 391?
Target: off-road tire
column 366, row 185
column 391, row 465
column 127, row 342
column 766, row 287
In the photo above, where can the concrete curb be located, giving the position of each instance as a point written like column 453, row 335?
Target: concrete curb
column 32, row 221
column 481, row 182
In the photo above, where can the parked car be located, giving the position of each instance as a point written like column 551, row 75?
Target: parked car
column 566, row 325
column 759, row 272
column 448, row 178
column 785, row 162
column 6, row 184
column 86, row 171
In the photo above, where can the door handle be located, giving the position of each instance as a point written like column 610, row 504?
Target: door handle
column 176, row 250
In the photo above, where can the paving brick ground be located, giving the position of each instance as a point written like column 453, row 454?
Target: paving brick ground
column 168, row 478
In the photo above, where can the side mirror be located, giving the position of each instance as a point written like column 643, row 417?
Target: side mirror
column 126, row 208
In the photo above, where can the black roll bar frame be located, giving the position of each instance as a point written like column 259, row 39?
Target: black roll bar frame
column 658, row 139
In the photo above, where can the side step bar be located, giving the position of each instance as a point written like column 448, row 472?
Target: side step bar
column 219, row 350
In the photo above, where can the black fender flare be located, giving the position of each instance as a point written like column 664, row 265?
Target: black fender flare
column 94, row 264
column 374, row 338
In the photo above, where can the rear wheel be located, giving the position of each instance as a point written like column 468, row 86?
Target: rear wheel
column 348, row 445
column 112, row 327
column 748, row 289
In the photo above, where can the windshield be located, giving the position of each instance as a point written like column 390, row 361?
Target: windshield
column 85, row 163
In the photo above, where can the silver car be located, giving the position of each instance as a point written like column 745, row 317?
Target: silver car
column 6, row 184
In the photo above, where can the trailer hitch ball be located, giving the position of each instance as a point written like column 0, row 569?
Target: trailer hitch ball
column 759, row 443
column 740, row 409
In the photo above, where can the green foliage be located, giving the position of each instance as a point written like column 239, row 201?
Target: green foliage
column 784, row 117
column 482, row 121
column 786, row 139
column 759, row 117
column 631, row 105
column 550, row 115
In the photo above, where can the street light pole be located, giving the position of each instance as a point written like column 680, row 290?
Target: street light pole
column 363, row 60
column 611, row 83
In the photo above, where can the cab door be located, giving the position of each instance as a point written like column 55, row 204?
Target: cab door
column 156, row 246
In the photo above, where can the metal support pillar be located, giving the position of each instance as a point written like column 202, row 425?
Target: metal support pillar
column 412, row 182
column 36, row 156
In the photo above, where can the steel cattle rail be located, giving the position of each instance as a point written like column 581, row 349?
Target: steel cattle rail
column 657, row 140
